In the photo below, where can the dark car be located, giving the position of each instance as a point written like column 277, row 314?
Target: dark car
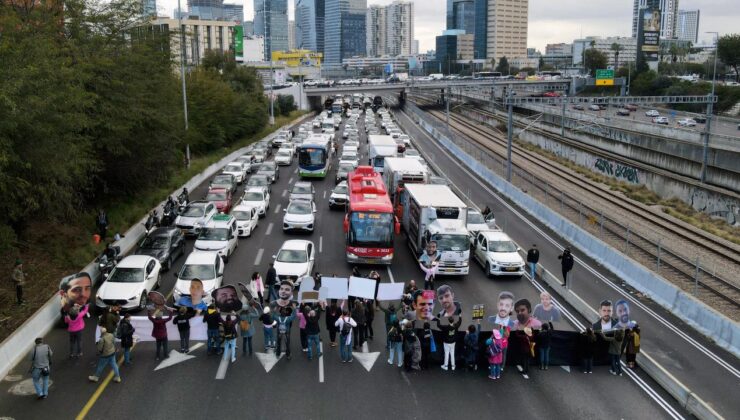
column 225, row 181
column 270, row 169
column 623, row 112
column 700, row 119
column 166, row 244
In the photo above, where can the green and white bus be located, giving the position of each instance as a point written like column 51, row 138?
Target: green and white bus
column 315, row 156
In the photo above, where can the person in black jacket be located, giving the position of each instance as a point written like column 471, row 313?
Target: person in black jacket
column 127, row 337
column 212, row 317
column 543, row 340
column 313, row 330
column 566, row 263
column 332, row 315
column 533, row 257
column 587, row 347
column 426, row 345
column 182, row 320
column 271, row 282
column 449, row 338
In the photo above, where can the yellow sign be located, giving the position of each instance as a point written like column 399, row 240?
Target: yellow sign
column 604, row 82
column 295, row 58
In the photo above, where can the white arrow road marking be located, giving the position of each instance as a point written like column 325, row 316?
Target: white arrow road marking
column 268, row 359
column 177, row 357
column 367, row 360
column 566, row 368
column 222, row 368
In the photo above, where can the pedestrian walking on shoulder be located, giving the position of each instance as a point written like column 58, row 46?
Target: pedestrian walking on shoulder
column 332, row 315
column 533, row 257
column 345, row 324
column 106, row 347
column 259, row 286
column 633, row 346
column 247, row 317
column 312, row 331
column 212, row 318
column 615, row 350
column 271, row 283
column 126, row 332
column 230, row 336
column 449, row 338
column 41, row 368
column 566, row 263
column 19, row 280
column 182, row 320
column 268, row 324
column 75, row 321
column 471, row 346
column 395, row 338
column 587, row 348
column 543, row 344
column 495, row 354
column 101, row 222
column 159, row 332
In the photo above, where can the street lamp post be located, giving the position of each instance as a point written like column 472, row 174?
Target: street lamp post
column 182, row 76
column 708, row 126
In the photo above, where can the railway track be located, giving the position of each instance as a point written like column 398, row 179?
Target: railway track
column 673, row 266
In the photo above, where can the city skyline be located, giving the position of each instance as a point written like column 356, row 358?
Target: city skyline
column 549, row 22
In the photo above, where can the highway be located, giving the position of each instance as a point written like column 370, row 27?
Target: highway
column 324, row 388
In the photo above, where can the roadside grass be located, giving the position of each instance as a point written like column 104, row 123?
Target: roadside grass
column 52, row 250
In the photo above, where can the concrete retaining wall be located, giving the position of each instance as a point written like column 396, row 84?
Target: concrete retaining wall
column 15, row 348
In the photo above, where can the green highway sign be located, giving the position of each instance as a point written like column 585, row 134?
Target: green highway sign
column 605, row 74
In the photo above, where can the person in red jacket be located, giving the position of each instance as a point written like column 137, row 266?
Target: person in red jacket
column 159, row 331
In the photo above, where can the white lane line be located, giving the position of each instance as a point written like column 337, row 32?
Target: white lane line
column 321, row 363
column 277, row 209
column 269, row 228
column 295, row 171
column 222, row 368
column 290, row 181
column 285, row 192
column 258, row 258
column 321, row 244
column 727, row 366
column 390, row 274
column 324, row 194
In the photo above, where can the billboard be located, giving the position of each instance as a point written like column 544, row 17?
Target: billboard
column 238, row 33
column 649, row 37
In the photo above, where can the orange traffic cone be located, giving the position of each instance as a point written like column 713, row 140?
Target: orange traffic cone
column 96, row 239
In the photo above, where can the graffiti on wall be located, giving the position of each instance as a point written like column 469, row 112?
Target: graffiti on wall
column 616, row 170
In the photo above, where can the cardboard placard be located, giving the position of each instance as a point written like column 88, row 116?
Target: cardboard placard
column 390, row 291
column 362, row 287
column 479, row 311
column 337, row 287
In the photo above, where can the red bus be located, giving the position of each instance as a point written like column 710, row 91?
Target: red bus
column 370, row 223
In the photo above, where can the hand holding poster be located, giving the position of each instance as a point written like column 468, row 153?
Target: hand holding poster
column 362, row 287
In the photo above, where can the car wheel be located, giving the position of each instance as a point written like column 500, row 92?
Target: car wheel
column 488, row 270
column 142, row 301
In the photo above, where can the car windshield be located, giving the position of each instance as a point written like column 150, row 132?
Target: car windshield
column 292, row 256
column 213, row 234
column 346, row 167
column 233, row 168
column 216, row 196
column 197, row 271
column 300, row 207
column 194, row 211
column 253, row 196
column 412, row 153
column 284, row 153
column 241, row 215
column 258, row 181
column 126, row 275
column 340, row 189
column 348, row 156
column 266, row 168
column 155, row 242
column 501, row 246
column 222, row 179
column 475, row 218
column 301, row 189
column 371, row 229
column 311, row 157
column 452, row 242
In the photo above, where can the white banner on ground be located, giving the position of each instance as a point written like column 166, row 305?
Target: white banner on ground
column 337, row 287
column 390, row 291
column 362, row 287
column 143, row 326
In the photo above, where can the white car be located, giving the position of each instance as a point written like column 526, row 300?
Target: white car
column 289, row 146
column 412, row 154
column 652, row 113
column 352, row 143
column 284, row 157
column 257, row 197
column 129, row 282
column 660, row 120
column 498, row 254
column 299, row 215
column 219, row 235
column 247, row 219
column 406, row 140
column 349, row 157
column 349, row 149
column 339, row 195
column 476, row 223
column 195, row 216
column 295, row 259
column 316, row 123
column 687, row 122
column 238, row 169
column 302, row 190
column 208, row 267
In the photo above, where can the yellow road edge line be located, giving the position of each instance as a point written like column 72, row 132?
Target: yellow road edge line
column 98, row 392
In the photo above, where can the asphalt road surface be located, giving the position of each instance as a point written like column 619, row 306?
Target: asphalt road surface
column 325, row 388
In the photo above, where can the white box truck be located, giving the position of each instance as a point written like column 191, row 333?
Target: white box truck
column 435, row 213
column 399, row 171
column 379, row 148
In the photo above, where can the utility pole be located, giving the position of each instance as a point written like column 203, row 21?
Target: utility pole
column 708, row 126
column 509, row 132
column 182, row 76
column 272, row 74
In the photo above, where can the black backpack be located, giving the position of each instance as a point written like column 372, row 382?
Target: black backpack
column 346, row 327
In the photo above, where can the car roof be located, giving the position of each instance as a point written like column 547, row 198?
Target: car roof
column 134, row 261
column 243, row 207
column 164, row 231
column 217, row 189
column 495, row 235
column 258, row 176
column 221, row 220
column 299, row 244
column 255, row 189
column 302, row 184
column 201, row 257
column 199, row 203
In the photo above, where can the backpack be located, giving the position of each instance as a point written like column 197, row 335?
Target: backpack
column 244, row 325
column 346, row 328
column 637, row 340
column 393, row 334
column 493, row 350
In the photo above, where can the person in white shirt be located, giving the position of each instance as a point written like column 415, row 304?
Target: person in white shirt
column 344, row 324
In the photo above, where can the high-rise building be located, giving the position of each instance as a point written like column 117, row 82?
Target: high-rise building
column 668, row 16
column 234, row 12
column 481, row 28
column 461, row 15
column 206, row 9
column 309, row 25
column 149, row 8
column 558, row 49
column 271, row 22
column 399, row 23
column 376, row 30
column 628, row 53
column 200, row 36
column 454, row 47
column 291, row 35
column 687, row 25
column 248, row 26
column 345, row 34
column 415, row 50
column 507, row 28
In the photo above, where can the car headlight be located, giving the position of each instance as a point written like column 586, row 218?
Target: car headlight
column 132, row 298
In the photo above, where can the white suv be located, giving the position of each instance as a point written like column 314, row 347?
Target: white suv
column 498, row 254
column 219, row 235
column 208, row 267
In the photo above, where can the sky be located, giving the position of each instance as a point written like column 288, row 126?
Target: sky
column 550, row 21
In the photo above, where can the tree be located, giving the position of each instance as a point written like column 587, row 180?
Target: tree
column 493, row 63
column 503, row 66
column 728, row 50
column 616, row 48
column 594, row 60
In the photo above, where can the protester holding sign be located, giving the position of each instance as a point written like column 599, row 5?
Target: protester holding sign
column 395, row 340
column 75, row 321
column 495, row 354
column 449, row 338
column 284, row 323
column 471, row 346
column 159, row 332
column 358, row 314
column 313, row 330
column 213, row 319
column 268, row 324
column 247, row 317
column 332, row 315
column 126, row 333
column 391, row 318
column 182, row 320
column 345, row 324
column 230, row 336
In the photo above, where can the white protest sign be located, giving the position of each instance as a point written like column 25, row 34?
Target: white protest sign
column 337, row 287
column 362, row 287
column 143, row 326
column 390, row 291
column 307, row 285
